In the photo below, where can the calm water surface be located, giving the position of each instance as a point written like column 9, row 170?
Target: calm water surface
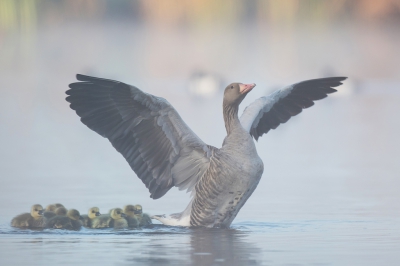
column 336, row 204
column 300, row 242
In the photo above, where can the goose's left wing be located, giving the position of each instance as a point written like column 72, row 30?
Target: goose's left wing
column 155, row 141
column 270, row 111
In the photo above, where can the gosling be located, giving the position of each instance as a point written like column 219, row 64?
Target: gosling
column 75, row 217
column 49, row 212
column 61, row 211
column 87, row 220
column 143, row 218
column 130, row 216
column 118, row 219
column 34, row 219
column 58, row 205
column 114, row 220
column 60, row 222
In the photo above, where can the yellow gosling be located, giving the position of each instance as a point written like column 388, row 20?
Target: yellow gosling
column 34, row 219
column 130, row 216
column 143, row 218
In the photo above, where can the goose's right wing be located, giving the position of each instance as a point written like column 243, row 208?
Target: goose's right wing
column 145, row 129
column 270, row 111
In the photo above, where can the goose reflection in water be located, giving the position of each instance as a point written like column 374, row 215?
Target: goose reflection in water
column 222, row 247
column 196, row 246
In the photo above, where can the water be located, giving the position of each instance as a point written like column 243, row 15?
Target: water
column 315, row 242
column 329, row 194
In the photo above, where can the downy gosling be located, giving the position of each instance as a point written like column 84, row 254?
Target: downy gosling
column 116, row 219
column 34, row 219
column 143, row 218
column 75, row 218
column 87, row 220
column 130, row 216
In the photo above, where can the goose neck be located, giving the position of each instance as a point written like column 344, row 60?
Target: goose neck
column 231, row 118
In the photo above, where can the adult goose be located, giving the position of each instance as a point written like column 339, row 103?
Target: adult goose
column 164, row 152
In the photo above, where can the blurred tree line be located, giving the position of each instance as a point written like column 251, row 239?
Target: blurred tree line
column 27, row 14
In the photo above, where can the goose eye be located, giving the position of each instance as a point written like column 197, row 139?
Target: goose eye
column 93, row 211
column 231, row 87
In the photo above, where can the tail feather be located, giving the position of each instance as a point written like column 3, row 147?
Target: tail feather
column 175, row 219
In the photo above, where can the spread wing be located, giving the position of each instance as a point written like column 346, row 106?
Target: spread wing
column 270, row 111
column 161, row 149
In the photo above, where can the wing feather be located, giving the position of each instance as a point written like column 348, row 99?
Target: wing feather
column 269, row 112
column 159, row 147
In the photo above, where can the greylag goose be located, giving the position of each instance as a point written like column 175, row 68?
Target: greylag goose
column 164, row 152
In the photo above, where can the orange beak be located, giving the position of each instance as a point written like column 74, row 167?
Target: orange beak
column 245, row 88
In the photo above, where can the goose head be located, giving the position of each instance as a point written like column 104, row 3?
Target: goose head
column 36, row 211
column 117, row 214
column 235, row 93
column 93, row 212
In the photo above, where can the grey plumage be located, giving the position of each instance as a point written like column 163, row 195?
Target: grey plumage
column 280, row 106
column 145, row 129
column 164, row 152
